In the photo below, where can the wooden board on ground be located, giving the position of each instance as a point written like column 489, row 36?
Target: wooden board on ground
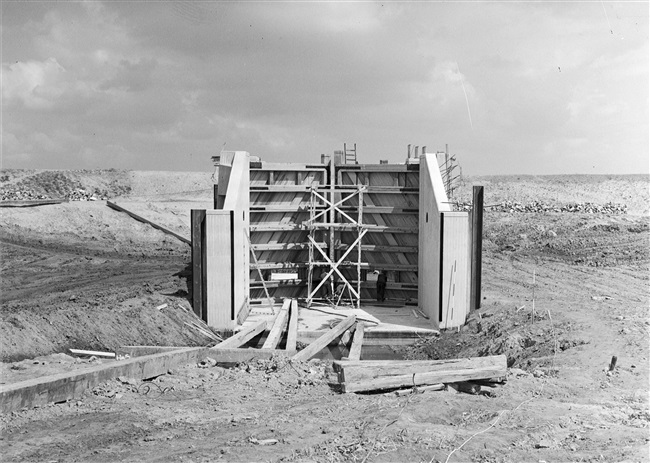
column 241, row 338
column 275, row 335
column 325, row 339
column 356, row 376
column 223, row 357
column 32, row 202
column 143, row 220
column 70, row 385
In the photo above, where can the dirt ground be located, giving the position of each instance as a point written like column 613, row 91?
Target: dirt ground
column 82, row 275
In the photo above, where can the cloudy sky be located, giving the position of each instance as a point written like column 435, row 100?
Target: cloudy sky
column 511, row 87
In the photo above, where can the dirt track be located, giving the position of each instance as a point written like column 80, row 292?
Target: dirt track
column 94, row 279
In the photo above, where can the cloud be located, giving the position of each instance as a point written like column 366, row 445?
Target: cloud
column 131, row 76
column 35, row 84
column 163, row 85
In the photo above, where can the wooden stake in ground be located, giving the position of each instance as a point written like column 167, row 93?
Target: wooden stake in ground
column 612, row 364
column 325, row 339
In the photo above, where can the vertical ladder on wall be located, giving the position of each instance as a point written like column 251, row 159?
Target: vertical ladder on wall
column 350, row 154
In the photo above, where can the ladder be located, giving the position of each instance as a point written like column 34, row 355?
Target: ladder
column 349, row 154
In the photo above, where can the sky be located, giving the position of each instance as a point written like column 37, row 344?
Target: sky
column 511, row 87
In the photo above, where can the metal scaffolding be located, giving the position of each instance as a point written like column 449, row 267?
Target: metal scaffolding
column 323, row 207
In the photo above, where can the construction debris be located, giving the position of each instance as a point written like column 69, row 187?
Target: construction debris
column 538, row 207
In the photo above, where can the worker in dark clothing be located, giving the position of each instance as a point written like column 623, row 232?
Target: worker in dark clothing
column 381, row 286
column 325, row 289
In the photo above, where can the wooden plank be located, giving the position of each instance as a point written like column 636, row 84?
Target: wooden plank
column 92, row 352
column 280, row 188
column 325, row 339
column 381, row 248
column 32, row 202
column 275, row 335
column 292, row 331
column 149, row 222
column 381, row 168
column 256, row 284
column 357, row 342
column 241, row 338
column 372, row 375
column 223, row 357
column 369, row 227
column 290, row 167
column 65, row 386
column 381, row 209
column 477, row 248
column 272, row 227
column 281, row 246
column 197, row 217
column 283, row 208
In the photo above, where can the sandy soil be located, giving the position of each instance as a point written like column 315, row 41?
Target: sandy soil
column 82, row 275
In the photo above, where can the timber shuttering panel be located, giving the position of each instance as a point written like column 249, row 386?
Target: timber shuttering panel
column 280, row 199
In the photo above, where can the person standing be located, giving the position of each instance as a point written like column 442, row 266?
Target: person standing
column 381, row 286
column 325, row 289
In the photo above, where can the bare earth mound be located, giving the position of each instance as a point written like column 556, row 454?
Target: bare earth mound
column 82, row 275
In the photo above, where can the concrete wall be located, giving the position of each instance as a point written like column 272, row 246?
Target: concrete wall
column 455, row 269
column 432, row 202
column 227, row 247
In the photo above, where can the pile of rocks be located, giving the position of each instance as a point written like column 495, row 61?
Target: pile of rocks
column 77, row 194
column 538, row 206
column 20, row 195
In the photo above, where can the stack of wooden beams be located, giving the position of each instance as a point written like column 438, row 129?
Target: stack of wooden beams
column 358, row 376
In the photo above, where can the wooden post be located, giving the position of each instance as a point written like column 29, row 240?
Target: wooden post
column 292, row 330
column 198, row 269
column 357, row 342
column 612, row 364
column 477, row 248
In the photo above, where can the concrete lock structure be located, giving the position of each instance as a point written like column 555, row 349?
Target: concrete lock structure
column 320, row 233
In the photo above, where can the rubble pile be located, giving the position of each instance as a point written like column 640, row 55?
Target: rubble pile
column 20, row 195
column 538, row 206
column 77, row 194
